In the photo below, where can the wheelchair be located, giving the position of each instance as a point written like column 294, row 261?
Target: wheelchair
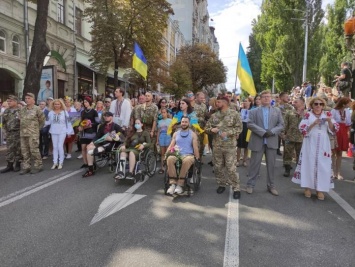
column 102, row 158
column 192, row 181
column 146, row 165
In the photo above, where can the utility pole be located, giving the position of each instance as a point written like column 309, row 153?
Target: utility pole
column 304, row 75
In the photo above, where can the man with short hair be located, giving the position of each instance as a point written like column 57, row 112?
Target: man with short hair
column 284, row 106
column 107, row 104
column 232, row 105
column 201, row 113
column 225, row 125
column 344, row 82
column 186, row 140
column 147, row 113
column 44, row 132
column 108, row 127
column 31, row 121
column 121, row 109
column 292, row 136
column 11, row 126
column 265, row 124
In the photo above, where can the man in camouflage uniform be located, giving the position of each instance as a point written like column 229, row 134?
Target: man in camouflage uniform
column 147, row 113
column 225, row 125
column 292, row 136
column 31, row 121
column 11, row 126
column 201, row 111
column 232, row 105
column 284, row 106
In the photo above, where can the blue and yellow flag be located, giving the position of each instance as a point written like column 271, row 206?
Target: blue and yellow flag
column 244, row 73
column 139, row 61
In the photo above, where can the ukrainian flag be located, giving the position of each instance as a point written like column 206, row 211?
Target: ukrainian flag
column 139, row 61
column 244, row 73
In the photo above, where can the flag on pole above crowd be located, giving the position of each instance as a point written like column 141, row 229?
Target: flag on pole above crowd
column 139, row 61
column 244, row 73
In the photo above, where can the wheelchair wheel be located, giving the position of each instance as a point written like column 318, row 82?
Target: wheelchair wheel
column 166, row 182
column 112, row 162
column 196, row 176
column 150, row 163
column 100, row 160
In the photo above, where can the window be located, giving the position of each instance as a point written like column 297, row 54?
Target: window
column 15, row 46
column 61, row 11
column 2, row 42
column 78, row 17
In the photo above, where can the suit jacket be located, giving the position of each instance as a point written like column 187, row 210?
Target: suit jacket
column 256, row 126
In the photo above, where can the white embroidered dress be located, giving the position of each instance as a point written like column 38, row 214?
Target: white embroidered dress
column 314, row 167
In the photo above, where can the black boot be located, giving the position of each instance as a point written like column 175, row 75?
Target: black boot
column 17, row 166
column 9, row 167
column 287, row 170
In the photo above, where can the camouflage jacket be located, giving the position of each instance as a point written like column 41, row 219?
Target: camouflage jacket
column 284, row 109
column 292, row 120
column 11, row 120
column 31, row 121
column 228, row 122
column 148, row 115
column 201, row 114
column 233, row 106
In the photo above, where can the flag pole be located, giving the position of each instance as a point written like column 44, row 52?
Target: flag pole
column 236, row 74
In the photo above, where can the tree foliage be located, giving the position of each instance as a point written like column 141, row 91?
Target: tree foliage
column 180, row 79
column 282, row 39
column 39, row 49
column 203, row 65
column 117, row 24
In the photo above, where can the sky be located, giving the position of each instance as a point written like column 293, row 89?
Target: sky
column 232, row 20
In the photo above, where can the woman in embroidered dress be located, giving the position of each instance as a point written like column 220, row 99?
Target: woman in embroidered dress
column 69, row 140
column 341, row 115
column 58, row 119
column 313, row 169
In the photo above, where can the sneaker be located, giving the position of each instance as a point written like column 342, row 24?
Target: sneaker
column 178, row 190
column 68, row 156
column 60, row 166
column 129, row 176
column 54, row 166
column 44, row 157
column 119, row 175
column 79, row 157
column 88, row 173
column 171, row 189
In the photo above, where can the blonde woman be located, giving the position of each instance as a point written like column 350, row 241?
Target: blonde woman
column 60, row 128
column 69, row 140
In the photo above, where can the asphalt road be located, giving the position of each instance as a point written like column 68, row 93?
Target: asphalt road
column 57, row 218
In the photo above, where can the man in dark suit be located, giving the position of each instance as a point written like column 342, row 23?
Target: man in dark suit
column 265, row 124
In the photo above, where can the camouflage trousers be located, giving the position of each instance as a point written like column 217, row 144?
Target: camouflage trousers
column 30, row 151
column 201, row 147
column 13, row 152
column 225, row 168
column 291, row 148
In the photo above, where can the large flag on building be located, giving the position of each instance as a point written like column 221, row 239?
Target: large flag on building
column 244, row 73
column 139, row 61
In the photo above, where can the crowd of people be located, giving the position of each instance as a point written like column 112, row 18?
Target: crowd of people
column 312, row 125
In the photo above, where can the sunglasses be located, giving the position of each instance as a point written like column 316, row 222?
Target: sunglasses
column 318, row 104
column 190, row 95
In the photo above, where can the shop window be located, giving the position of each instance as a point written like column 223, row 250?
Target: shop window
column 2, row 42
column 15, row 46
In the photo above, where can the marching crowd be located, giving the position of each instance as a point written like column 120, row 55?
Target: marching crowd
column 313, row 126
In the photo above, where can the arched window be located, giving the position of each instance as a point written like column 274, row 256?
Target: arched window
column 16, row 46
column 2, row 42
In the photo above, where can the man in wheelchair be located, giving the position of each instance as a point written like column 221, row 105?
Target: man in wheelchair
column 183, row 149
column 136, row 141
column 107, row 135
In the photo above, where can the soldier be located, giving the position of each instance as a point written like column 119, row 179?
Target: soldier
column 11, row 125
column 225, row 125
column 292, row 136
column 284, row 106
column 147, row 113
column 31, row 121
column 232, row 105
column 201, row 111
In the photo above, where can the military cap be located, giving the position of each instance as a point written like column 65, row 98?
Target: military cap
column 13, row 97
column 30, row 95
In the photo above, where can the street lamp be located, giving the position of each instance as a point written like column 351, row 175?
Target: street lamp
column 349, row 31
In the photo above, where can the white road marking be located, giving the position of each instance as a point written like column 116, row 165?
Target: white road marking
column 6, row 200
column 342, row 203
column 231, row 247
column 116, row 202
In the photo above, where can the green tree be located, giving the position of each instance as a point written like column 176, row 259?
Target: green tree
column 180, row 79
column 117, row 24
column 39, row 49
column 204, row 66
